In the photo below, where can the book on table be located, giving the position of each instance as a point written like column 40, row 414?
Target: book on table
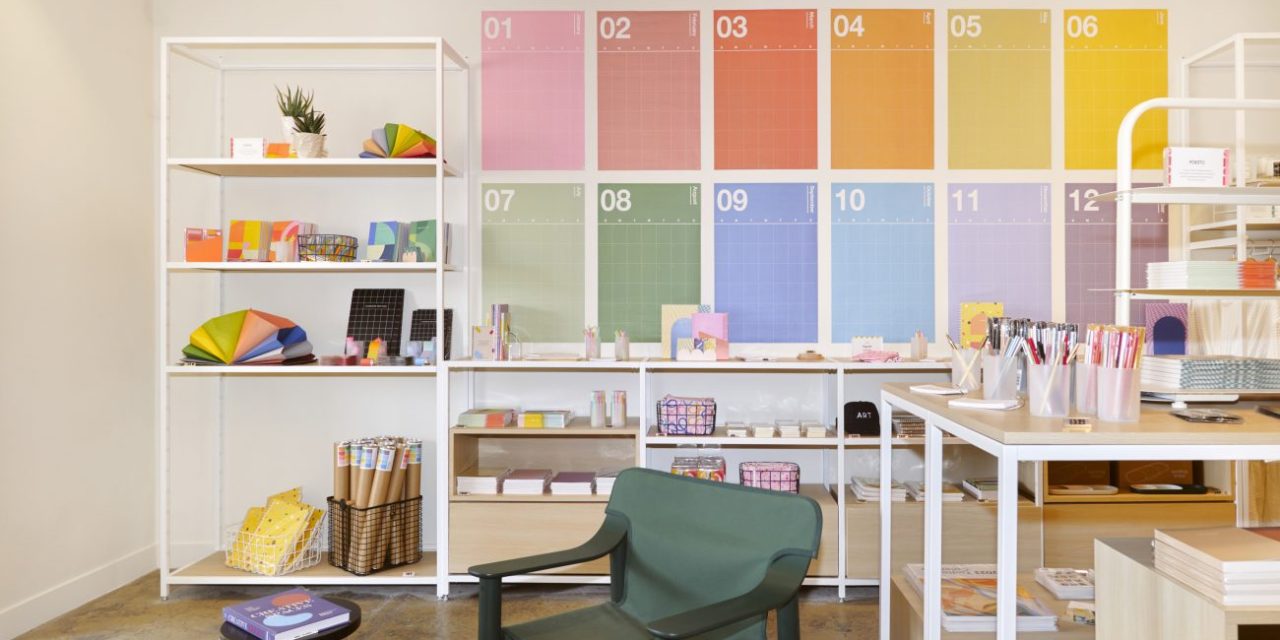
column 554, row 419
column 868, row 490
column 527, row 482
column 1230, row 565
column 969, row 599
column 984, row 489
column 573, row 483
column 288, row 615
column 482, row 481
column 486, row 418
column 1067, row 584
column 950, row 492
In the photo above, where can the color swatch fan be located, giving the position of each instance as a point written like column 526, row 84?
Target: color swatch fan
column 248, row 337
column 399, row 141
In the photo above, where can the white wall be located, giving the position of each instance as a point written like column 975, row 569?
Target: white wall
column 76, row 303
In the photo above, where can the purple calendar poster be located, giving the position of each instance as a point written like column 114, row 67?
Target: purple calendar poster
column 1091, row 252
column 767, row 261
column 999, row 249
column 531, row 90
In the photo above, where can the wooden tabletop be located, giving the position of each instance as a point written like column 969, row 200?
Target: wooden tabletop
column 1156, row 425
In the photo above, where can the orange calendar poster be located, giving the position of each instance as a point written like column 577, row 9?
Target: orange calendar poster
column 998, row 89
column 648, row 90
column 766, row 89
column 882, row 89
column 1114, row 59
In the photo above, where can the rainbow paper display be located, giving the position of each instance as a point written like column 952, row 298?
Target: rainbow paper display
column 248, row 337
column 399, row 141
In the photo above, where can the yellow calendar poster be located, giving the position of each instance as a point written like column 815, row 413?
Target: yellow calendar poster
column 998, row 89
column 1114, row 60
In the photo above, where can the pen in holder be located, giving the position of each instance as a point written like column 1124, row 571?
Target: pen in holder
column 591, row 343
column 1049, row 389
column 621, row 346
column 618, row 414
column 966, row 370
column 599, row 409
column 999, row 376
column 1119, row 397
column 1086, row 388
column 1116, row 355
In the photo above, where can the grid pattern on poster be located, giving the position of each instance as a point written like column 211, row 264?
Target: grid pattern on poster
column 377, row 313
column 1091, row 252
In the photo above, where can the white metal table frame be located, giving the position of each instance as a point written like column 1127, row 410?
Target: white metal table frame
column 1007, row 458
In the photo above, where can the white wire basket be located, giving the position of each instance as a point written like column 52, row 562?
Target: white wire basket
column 269, row 556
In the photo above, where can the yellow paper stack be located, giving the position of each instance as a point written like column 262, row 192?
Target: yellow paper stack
column 275, row 539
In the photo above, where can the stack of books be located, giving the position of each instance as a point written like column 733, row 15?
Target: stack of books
column 814, row 429
column 1067, row 584
column 868, row 490
column 950, row 492
column 487, row 418
column 969, row 595
column 482, row 482
column 737, row 430
column 1230, row 565
column 573, row 483
column 1211, row 372
column 604, row 482
column 907, row 425
column 789, row 429
column 290, row 614
column 983, row 489
column 1193, row 274
column 557, row 419
column 527, row 482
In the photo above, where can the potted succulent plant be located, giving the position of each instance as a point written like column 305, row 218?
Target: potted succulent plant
column 308, row 135
column 293, row 103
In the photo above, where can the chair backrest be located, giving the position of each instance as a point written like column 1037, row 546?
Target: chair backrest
column 693, row 542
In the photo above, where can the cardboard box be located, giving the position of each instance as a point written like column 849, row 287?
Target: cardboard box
column 1130, row 472
column 1076, row 472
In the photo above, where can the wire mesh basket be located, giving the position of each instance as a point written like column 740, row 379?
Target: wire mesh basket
column 327, row 247
column 777, row 476
column 686, row 416
column 273, row 555
column 364, row 541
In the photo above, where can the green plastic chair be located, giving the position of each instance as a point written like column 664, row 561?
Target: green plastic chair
column 688, row 559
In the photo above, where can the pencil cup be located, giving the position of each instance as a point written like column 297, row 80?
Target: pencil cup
column 966, row 369
column 1049, row 390
column 999, row 377
column 1119, row 397
column 622, row 348
column 1086, row 388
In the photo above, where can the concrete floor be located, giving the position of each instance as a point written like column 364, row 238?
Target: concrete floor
column 135, row 611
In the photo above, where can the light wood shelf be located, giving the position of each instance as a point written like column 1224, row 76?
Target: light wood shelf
column 578, row 428
column 315, row 167
column 546, row 497
column 719, row 437
column 212, row 569
column 1128, row 497
column 309, row 267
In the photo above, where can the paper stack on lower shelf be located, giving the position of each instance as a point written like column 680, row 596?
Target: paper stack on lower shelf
column 968, row 599
column 950, row 492
column 1067, row 584
column 1231, row 565
column 484, row 482
column 527, row 482
column 573, row 483
column 868, row 490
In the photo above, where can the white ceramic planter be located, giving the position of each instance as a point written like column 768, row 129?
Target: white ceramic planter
column 286, row 127
column 308, row 145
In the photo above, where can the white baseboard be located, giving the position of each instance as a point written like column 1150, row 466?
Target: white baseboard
column 61, row 598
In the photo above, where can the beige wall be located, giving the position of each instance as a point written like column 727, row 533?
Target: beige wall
column 76, row 304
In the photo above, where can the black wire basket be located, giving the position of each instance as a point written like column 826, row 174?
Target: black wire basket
column 365, row 541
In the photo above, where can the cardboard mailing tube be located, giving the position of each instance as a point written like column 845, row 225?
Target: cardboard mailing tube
column 374, row 531
column 413, row 489
column 395, row 494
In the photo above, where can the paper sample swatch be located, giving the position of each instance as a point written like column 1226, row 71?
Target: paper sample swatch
column 766, row 89
column 532, row 254
column 649, row 254
column 998, row 89
column 648, row 89
column 999, row 248
column 767, row 260
column 882, row 88
column 531, row 90
column 882, row 267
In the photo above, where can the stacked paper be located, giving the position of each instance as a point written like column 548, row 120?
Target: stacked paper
column 1258, row 274
column 984, row 489
column 1230, row 565
column 950, row 492
column 573, row 483
column 968, row 599
column 1067, row 584
column 604, row 482
column 1193, row 274
column 487, row 418
column 868, row 490
column 527, row 482
column 557, row 419
column 788, row 428
column 486, row 482
column 251, row 337
column 905, row 424
column 1211, row 372
column 398, row 141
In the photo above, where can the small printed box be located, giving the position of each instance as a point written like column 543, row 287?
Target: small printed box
column 775, row 476
column 386, row 241
column 248, row 241
column 701, row 467
column 248, row 148
column 1196, row 167
column 284, row 239
column 686, row 416
column 421, row 246
column 204, row 245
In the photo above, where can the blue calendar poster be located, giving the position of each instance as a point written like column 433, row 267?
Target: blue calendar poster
column 881, row 260
column 766, row 239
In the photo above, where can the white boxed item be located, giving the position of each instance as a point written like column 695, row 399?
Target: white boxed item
column 248, row 148
column 1196, row 166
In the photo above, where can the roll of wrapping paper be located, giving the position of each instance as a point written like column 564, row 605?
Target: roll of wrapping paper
column 413, row 489
column 341, row 471
column 375, row 530
column 395, row 494
column 364, row 479
column 354, row 450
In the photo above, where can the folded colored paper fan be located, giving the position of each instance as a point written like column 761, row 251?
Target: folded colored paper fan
column 398, row 141
column 248, row 336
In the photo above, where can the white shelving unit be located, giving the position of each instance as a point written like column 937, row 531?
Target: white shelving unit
column 208, row 77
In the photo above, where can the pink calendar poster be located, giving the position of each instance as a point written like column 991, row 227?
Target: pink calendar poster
column 531, row 90
column 648, row 89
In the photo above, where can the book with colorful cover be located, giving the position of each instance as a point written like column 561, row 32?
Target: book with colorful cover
column 486, row 418
column 969, row 599
column 295, row 613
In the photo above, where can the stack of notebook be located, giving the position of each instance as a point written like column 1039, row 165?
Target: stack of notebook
column 789, row 429
column 1211, row 372
column 573, row 483
column 486, row 482
column 907, row 425
column 950, row 492
column 1231, row 565
column 604, row 482
column 1193, row 274
column 527, row 482
column 1258, row 274
column 983, row 489
column 487, row 418
column 968, row 599
column 1067, row 584
column 868, row 490
column 557, row 419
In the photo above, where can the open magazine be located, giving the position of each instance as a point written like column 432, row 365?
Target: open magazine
column 969, row 599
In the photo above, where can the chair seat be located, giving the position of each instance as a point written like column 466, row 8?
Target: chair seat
column 590, row 623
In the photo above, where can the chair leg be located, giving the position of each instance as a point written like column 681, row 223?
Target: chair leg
column 490, row 609
column 789, row 620
column 617, row 569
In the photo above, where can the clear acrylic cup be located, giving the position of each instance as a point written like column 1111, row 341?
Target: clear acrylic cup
column 966, row 369
column 999, row 377
column 1049, row 390
column 1119, row 396
column 1086, row 388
